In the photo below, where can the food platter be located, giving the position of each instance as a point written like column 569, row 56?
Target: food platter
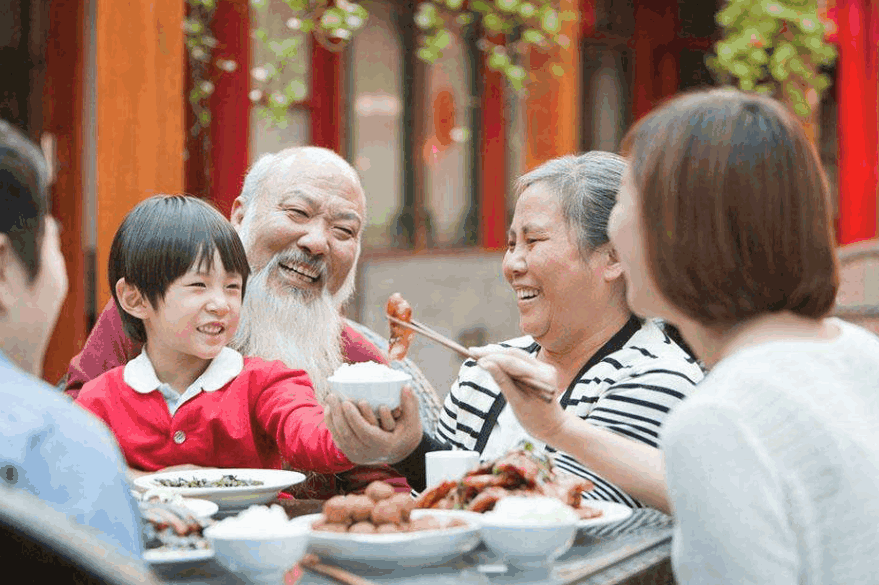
column 227, row 498
column 611, row 512
column 404, row 549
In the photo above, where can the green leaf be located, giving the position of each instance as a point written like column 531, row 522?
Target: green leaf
column 533, row 36
column 527, row 10
column 498, row 61
column 550, row 21
column 295, row 90
column 740, row 70
column 759, row 57
column 493, row 22
column 481, row 6
column 442, row 39
column 428, row 55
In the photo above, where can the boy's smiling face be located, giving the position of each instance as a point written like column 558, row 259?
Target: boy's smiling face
column 197, row 317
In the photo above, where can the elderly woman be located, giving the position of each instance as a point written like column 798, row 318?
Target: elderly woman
column 723, row 228
column 614, row 370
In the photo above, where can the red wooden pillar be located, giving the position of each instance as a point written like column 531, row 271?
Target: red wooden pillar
column 62, row 116
column 494, row 161
column 857, row 120
column 326, row 98
column 873, row 88
column 230, row 104
column 642, row 94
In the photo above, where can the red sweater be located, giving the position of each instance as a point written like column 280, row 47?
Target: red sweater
column 266, row 417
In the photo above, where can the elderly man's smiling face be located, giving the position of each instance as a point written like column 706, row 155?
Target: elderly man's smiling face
column 308, row 218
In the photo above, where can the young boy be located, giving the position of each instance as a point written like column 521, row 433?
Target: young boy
column 48, row 447
column 178, row 273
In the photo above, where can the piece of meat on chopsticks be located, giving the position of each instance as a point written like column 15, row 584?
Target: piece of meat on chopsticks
column 401, row 337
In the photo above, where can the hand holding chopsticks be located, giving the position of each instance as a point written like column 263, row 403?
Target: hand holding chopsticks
column 537, row 388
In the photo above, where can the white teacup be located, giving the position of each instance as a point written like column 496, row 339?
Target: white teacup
column 449, row 465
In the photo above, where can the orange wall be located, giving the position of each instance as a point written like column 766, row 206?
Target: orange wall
column 140, row 107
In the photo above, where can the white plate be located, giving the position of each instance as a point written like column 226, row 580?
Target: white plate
column 612, row 512
column 274, row 480
column 167, row 557
column 406, row 549
column 198, row 508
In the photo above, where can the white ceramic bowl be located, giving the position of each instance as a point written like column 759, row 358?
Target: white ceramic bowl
column 260, row 560
column 376, row 393
column 527, row 545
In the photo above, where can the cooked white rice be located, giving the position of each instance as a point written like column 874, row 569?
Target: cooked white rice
column 532, row 510
column 368, row 372
column 256, row 522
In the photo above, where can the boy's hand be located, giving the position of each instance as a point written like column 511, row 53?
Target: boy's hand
column 366, row 439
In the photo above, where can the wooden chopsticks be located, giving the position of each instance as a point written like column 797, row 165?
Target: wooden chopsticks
column 313, row 563
column 540, row 390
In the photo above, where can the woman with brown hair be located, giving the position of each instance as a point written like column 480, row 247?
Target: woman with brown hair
column 723, row 228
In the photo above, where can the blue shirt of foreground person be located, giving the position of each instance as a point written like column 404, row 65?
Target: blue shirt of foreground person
column 48, row 446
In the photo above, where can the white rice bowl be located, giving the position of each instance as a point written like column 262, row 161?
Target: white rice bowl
column 377, row 384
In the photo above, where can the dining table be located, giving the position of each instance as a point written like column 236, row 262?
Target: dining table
column 634, row 551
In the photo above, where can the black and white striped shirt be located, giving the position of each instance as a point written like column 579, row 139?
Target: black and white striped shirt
column 628, row 386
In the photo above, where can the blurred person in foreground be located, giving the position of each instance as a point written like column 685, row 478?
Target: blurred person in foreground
column 300, row 216
column 615, row 370
column 723, row 228
column 48, row 446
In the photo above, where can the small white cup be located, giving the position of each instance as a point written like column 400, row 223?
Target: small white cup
column 448, row 465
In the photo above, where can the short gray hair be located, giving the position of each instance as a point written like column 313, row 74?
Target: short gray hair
column 586, row 186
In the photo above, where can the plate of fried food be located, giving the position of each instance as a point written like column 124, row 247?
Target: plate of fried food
column 521, row 472
column 381, row 528
column 230, row 489
column 173, row 528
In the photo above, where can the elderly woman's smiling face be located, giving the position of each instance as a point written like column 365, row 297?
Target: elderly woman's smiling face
column 555, row 287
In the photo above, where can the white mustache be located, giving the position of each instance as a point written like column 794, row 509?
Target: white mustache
column 294, row 257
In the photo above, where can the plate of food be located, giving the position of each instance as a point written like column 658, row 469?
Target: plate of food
column 230, row 489
column 521, row 472
column 173, row 531
column 382, row 529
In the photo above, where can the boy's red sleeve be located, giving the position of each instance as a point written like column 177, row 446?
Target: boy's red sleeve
column 284, row 405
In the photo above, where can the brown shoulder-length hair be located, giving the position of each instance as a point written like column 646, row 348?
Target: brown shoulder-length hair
column 735, row 207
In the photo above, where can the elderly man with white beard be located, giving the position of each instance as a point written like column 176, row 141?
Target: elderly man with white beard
column 300, row 217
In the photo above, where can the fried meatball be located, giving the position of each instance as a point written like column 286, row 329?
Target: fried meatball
column 362, row 528
column 387, row 512
column 361, row 507
column 379, row 490
column 387, row 529
column 337, row 510
column 405, row 503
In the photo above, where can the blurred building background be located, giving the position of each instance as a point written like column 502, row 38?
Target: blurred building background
column 104, row 84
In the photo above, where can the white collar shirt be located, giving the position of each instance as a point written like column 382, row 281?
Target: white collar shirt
column 140, row 374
